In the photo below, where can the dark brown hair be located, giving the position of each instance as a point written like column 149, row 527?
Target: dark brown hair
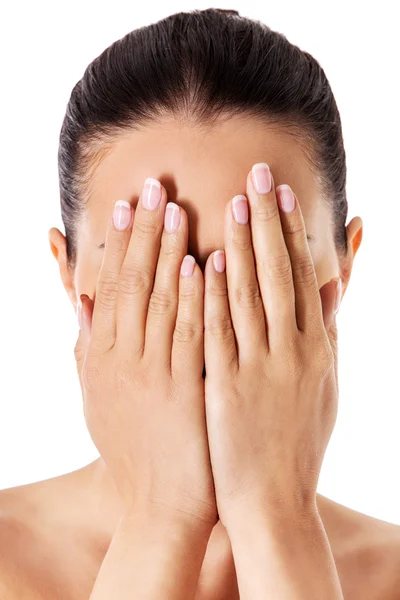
column 201, row 66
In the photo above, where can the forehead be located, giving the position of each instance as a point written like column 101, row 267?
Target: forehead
column 201, row 169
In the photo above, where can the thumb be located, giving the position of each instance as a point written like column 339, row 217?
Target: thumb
column 331, row 295
column 84, row 313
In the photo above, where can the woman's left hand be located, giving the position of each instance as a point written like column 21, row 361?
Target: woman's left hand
column 271, row 359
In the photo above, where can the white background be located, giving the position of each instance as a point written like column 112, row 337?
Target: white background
column 45, row 48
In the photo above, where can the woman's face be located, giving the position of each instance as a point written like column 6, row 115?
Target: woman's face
column 201, row 172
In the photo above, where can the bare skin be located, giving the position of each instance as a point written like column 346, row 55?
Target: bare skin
column 55, row 533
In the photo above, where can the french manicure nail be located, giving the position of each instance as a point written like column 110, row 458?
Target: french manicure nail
column 219, row 261
column 187, row 267
column 261, row 178
column 122, row 214
column 172, row 217
column 240, row 209
column 285, row 197
column 151, row 194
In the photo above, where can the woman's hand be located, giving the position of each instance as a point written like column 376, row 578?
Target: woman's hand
column 140, row 366
column 271, row 386
column 271, row 395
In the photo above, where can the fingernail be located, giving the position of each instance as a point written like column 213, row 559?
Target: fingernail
column 240, row 209
column 285, row 197
column 122, row 214
column 338, row 296
column 172, row 217
column 151, row 194
column 261, row 178
column 79, row 312
column 187, row 266
column 219, row 261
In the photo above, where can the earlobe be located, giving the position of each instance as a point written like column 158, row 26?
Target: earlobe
column 58, row 246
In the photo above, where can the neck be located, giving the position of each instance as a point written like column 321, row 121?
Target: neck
column 98, row 497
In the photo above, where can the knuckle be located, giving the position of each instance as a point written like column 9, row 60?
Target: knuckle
column 107, row 290
column 91, row 374
column 217, row 290
column 171, row 245
column 304, row 271
column 325, row 356
column 220, row 327
column 247, row 295
column 322, row 365
column 334, row 333
column 301, row 355
column 118, row 245
column 187, row 331
column 279, row 269
column 189, row 289
column 146, row 226
column 297, row 230
column 265, row 211
column 79, row 351
column 241, row 241
column 161, row 302
column 133, row 280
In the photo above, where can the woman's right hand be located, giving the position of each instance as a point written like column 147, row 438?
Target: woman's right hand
column 140, row 357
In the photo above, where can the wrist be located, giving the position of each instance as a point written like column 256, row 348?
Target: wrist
column 285, row 549
column 171, row 523
column 273, row 515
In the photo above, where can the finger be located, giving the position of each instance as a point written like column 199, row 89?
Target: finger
column 187, row 357
column 246, row 306
column 84, row 313
column 119, row 228
column 333, row 339
column 331, row 294
column 308, row 312
column 138, row 269
column 163, row 304
column 272, row 258
column 219, row 336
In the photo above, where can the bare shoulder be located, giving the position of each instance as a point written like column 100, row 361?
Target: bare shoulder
column 50, row 544
column 366, row 551
column 16, row 545
column 34, row 546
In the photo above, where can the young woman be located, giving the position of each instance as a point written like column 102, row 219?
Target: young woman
column 202, row 178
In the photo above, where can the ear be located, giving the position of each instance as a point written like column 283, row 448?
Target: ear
column 354, row 231
column 58, row 246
